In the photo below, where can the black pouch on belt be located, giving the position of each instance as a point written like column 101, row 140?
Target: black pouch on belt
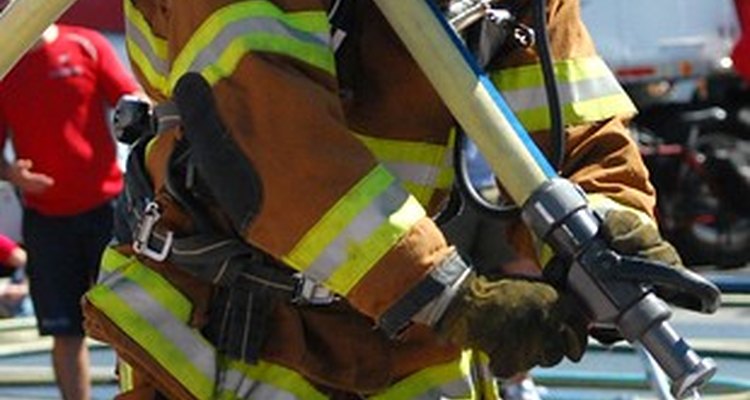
column 238, row 321
column 220, row 166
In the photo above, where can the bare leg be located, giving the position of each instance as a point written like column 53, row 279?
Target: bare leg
column 70, row 359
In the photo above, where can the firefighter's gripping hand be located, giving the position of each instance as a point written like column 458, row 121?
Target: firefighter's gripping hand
column 519, row 323
column 630, row 234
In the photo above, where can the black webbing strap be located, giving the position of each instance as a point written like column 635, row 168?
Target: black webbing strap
column 223, row 261
column 135, row 195
column 341, row 18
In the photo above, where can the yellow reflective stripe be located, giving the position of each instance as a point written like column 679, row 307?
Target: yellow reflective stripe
column 483, row 379
column 113, row 260
column 451, row 380
column 579, row 112
column 422, row 167
column 228, row 34
column 401, row 150
column 151, row 312
column 158, row 288
column 571, row 70
column 168, row 350
column 356, row 232
column 588, row 92
column 374, row 247
column 265, row 380
column 544, row 252
column 124, row 376
column 146, row 51
column 447, row 173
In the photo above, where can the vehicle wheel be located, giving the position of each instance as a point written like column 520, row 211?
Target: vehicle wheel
column 706, row 233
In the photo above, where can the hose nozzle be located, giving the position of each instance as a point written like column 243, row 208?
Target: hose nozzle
column 687, row 370
column 617, row 290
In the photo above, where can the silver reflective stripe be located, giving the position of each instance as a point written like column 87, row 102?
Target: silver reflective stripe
column 357, row 231
column 458, row 389
column 421, row 174
column 451, row 380
column 422, row 167
column 199, row 352
column 212, row 51
column 244, row 387
column 570, row 92
column 447, row 167
column 159, row 64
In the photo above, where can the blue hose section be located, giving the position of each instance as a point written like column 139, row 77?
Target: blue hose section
column 497, row 98
column 629, row 380
column 731, row 284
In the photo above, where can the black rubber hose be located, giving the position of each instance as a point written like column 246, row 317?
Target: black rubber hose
column 470, row 194
column 550, row 84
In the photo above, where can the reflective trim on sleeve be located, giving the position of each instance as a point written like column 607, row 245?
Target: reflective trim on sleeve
column 146, row 51
column 218, row 45
column 588, row 92
column 356, row 232
column 422, row 167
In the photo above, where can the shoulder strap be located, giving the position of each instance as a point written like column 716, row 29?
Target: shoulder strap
column 341, row 17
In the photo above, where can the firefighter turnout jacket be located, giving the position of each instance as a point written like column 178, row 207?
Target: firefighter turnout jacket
column 344, row 150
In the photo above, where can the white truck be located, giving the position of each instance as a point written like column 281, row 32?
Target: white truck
column 647, row 40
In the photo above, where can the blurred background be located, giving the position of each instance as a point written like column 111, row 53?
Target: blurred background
column 686, row 65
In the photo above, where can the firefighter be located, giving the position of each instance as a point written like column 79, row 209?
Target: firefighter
column 280, row 209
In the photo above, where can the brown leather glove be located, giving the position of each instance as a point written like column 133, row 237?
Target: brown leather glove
column 630, row 235
column 519, row 323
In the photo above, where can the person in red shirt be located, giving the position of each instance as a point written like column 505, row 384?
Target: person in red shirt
column 13, row 295
column 11, row 253
column 53, row 110
column 741, row 51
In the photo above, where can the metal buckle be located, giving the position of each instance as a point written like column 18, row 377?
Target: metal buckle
column 309, row 291
column 142, row 239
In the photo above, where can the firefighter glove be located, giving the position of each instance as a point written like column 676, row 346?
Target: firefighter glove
column 518, row 323
column 629, row 234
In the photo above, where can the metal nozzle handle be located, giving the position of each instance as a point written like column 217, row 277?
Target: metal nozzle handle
column 680, row 362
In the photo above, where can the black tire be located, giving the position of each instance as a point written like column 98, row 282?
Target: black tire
column 705, row 231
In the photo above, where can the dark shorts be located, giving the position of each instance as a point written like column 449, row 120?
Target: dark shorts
column 64, row 258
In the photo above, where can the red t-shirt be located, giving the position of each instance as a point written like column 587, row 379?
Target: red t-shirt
column 7, row 245
column 741, row 52
column 54, row 104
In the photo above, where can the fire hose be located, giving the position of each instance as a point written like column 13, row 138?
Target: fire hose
column 22, row 22
column 612, row 288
